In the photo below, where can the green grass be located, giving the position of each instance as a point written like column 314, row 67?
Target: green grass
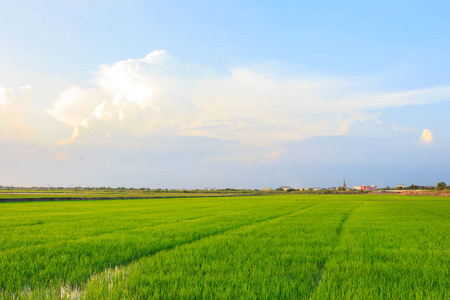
column 288, row 247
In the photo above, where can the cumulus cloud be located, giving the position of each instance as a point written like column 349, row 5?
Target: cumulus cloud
column 13, row 108
column 138, row 96
column 75, row 104
column 427, row 136
column 160, row 95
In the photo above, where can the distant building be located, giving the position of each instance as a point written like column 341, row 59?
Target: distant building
column 343, row 187
column 400, row 186
column 284, row 188
column 266, row 189
column 209, row 189
column 365, row 187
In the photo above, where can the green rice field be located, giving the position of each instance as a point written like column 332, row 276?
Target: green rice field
column 252, row 247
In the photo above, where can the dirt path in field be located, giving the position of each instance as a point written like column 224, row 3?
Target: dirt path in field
column 138, row 228
column 122, row 270
column 334, row 243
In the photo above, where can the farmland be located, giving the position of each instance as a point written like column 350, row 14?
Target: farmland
column 57, row 194
column 253, row 247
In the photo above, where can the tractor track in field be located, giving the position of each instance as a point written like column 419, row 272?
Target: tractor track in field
column 107, row 232
column 322, row 266
column 231, row 228
column 271, row 218
column 144, row 214
column 198, row 239
column 341, row 224
column 101, row 235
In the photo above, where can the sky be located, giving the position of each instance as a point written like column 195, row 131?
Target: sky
column 225, row 94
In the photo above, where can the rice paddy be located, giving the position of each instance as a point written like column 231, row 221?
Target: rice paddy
column 253, row 247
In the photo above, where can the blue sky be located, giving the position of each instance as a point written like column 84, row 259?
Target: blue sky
column 225, row 94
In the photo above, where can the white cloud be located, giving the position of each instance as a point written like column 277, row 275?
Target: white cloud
column 13, row 108
column 427, row 136
column 266, row 108
column 75, row 104
column 138, row 96
column 260, row 107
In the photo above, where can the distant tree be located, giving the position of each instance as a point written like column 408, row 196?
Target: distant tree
column 441, row 185
column 412, row 187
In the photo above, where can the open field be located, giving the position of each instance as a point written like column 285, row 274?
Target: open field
column 68, row 194
column 63, row 194
column 289, row 247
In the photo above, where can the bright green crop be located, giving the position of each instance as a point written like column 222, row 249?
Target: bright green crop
column 255, row 247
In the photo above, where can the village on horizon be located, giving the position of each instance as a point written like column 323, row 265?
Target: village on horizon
column 343, row 188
